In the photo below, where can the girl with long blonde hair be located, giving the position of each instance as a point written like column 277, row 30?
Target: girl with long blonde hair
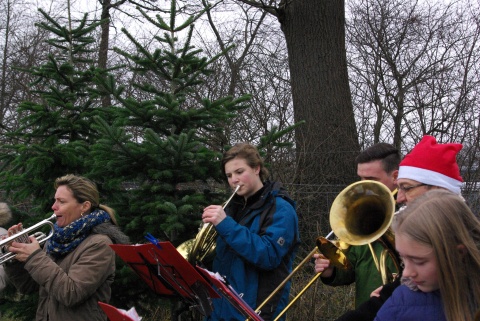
column 438, row 239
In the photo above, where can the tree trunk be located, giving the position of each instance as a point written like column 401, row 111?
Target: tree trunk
column 327, row 143
column 103, row 50
column 3, row 81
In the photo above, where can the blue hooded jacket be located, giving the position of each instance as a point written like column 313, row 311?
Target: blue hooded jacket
column 255, row 251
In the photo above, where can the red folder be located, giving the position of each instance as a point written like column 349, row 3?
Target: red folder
column 113, row 313
column 167, row 273
column 230, row 294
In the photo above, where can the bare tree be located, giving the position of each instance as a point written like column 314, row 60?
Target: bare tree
column 313, row 35
column 21, row 47
column 408, row 67
column 414, row 71
column 315, row 39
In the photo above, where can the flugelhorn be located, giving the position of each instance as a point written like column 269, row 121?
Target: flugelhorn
column 23, row 237
column 203, row 245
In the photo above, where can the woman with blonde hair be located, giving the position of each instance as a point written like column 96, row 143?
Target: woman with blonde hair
column 76, row 266
column 438, row 239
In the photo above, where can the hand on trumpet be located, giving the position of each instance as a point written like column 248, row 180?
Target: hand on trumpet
column 213, row 214
column 22, row 250
column 322, row 265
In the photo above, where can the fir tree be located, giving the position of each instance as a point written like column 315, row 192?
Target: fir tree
column 55, row 133
column 149, row 152
column 154, row 158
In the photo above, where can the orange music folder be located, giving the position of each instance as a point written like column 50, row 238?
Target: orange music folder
column 115, row 314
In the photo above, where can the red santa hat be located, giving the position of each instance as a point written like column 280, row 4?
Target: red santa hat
column 433, row 164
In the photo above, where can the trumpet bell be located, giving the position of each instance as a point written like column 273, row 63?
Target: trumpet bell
column 23, row 237
column 362, row 212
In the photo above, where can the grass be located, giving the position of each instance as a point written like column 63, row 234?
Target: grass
column 319, row 302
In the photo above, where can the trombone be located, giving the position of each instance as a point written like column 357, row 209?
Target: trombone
column 23, row 237
column 359, row 215
column 330, row 251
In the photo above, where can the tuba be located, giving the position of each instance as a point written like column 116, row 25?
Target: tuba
column 202, row 247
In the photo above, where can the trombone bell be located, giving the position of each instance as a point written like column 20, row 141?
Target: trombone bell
column 359, row 215
column 362, row 212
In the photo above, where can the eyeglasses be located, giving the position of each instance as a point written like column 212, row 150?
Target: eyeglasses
column 407, row 189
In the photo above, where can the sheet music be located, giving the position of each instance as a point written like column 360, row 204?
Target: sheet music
column 167, row 273
column 116, row 314
column 229, row 293
column 131, row 313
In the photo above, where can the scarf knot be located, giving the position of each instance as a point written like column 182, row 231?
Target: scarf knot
column 66, row 239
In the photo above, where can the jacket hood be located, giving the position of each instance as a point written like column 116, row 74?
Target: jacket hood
column 274, row 189
column 113, row 232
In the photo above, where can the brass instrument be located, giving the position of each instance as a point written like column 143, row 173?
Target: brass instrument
column 330, row 251
column 359, row 215
column 23, row 237
column 203, row 245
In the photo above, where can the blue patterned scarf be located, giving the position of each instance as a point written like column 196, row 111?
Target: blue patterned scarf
column 66, row 239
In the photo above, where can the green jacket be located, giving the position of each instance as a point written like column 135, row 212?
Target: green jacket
column 363, row 272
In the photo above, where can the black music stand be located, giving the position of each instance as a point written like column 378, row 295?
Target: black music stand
column 167, row 273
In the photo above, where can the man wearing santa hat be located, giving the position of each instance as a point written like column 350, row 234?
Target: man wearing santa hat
column 429, row 165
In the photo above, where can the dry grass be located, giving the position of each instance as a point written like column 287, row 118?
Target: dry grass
column 319, row 302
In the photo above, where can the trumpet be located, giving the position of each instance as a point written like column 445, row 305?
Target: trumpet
column 23, row 237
